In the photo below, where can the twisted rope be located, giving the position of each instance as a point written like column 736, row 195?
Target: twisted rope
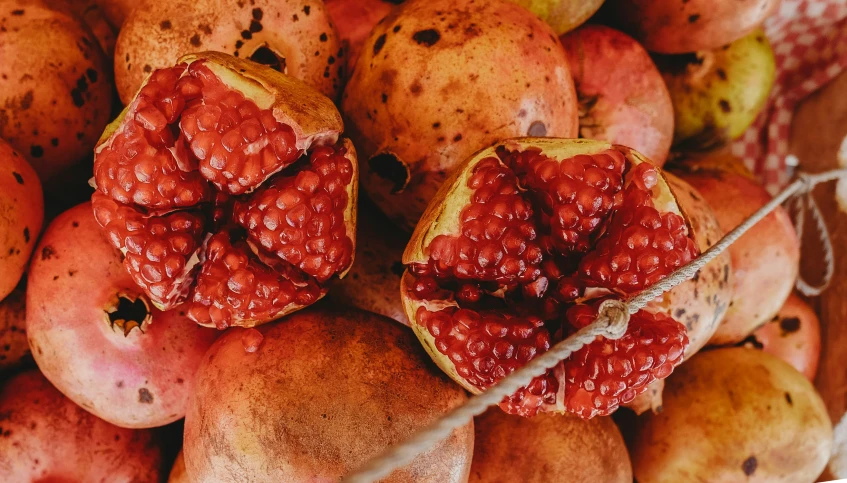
column 611, row 322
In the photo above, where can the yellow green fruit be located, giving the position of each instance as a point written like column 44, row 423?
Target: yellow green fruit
column 562, row 15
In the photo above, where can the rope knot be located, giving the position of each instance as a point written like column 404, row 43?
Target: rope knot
column 807, row 183
column 615, row 314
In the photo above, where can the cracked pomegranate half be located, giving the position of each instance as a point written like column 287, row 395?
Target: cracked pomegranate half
column 229, row 190
column 518, row 249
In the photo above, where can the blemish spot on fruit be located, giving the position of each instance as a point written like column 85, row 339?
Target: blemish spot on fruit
column 396, row 28
column 789, row 325
column 251, row 339
column 26, row 100
column 457, row 138
column 18, row 177
column 47, row 252
column 380, row 42
column 26, row 234
column 165, row 25
column 255, row 26
column 415, row 88
column 54, row 142
column 148, row 68
column 246, row 35
column 537, row 129
column 384, row 98
column 749, row 466
column 119, row 384
column 195, row 40
column 17, row 13
column 721, row 73
column 145, row 396
column 36, row 151
column 388, row 167
column 180, row 380
column 323, row 37
column 693, row 18
column 724, row 105
column 257, row 14
column 427, row 37
column 307, row 9
column 788, row 399
column 75, row 224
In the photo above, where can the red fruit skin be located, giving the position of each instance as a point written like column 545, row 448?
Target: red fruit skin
column 48, row 438
column 139, row 379
column 21, row 216
column 793, row 335
column 354, row 20
column 622, row 96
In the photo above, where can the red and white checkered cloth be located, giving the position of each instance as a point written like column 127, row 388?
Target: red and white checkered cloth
column 809, row 39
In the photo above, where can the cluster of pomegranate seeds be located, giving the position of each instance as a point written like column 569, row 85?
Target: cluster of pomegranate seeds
column 607, row 373
column 300, row 217
column 214, row 205
column 544, row 231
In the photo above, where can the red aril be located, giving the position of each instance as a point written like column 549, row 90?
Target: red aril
column 517, row 250
column 228, row 189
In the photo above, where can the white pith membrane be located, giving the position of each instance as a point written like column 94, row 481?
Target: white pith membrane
column 153, row 169
column 443, row 218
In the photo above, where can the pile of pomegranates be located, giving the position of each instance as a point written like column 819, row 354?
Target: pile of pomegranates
column 191, row 289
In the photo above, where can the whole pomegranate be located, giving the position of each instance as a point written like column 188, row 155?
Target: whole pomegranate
column 734, row 415
column 13, row 344
column 793, row 335
column 438, row 80
column 673, row 27
column 229, row 190
column 622, row 97
column 48, row 438
column 765, row 261
column 354, row 20
column 98, row 339
column 373, row 281
column 314, row 396
column 718, row 94
column 518, row 249
column 55, row 86
column 562, row 15
column 294, row 37
column 21, row 215
column 547, row 448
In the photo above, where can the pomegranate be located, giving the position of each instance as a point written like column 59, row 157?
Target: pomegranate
column 48, row 438
column 734, row 415
column 793, row 335
column 13, row 345
column 430, row 89
column 21, row 215
column 673, row 27
column 354, row 20
column 177, row 474
column 374, row 280
column 718, row 94
column 517, row 250
column 97, row 339
column 243, row 203
column 622, row 97
column 55, row 86
column 562, row 15
column 350, row 384
column 547, row 448
column 294, row 37
column 765, row 261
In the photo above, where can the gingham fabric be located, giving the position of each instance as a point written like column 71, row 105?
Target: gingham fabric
column 809, row 39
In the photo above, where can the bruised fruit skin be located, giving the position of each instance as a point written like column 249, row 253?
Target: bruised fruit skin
column 52, row 112
column 562, row 15
column 513, row 253
column 177, row 474
column 354, row 20
column 13, row 344
column 373, row 280
column 245, row 400
column 21, row 216
column 765, row 260
column 49, row 438
column 295, row 37
column 734, row 415
column 674, row 27
column 622, row 97
column 717, row 94
column 549, row 447
column 97, row 339
column 241, row 205
column 429, row 89
column 793, row 335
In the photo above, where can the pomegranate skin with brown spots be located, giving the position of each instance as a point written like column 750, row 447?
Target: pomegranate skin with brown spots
column 55, row 85
column 331, row 405
column 430, row 88
column 676, row 27
column 21, row 216
column 14, row 348
column 106, row 347
column 296, row 37
column 229, row 191
column 622, row 96
column 354, row 20
column 793, row 335
column 46, row 437
column 516, row 252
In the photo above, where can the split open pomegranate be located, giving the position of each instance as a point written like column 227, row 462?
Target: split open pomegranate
column 229, row 190
column 518, row 249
